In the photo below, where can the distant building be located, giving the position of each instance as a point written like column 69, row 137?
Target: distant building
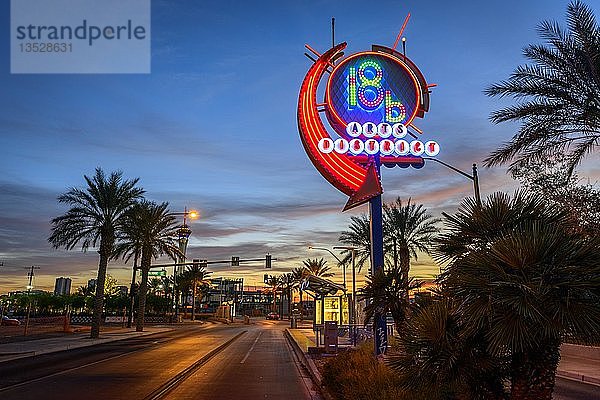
column 62, row 286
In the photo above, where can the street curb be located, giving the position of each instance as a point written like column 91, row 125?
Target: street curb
column 77, row 345
column 309, row 364
column 573, row 376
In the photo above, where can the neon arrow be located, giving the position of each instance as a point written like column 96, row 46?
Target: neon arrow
column 360, row 183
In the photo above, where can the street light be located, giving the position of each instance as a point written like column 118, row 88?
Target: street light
column 353, row 319
column 334, row 256
column 474, row 177
column 183, row 234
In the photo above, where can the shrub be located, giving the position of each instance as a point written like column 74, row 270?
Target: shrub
column 355, row 374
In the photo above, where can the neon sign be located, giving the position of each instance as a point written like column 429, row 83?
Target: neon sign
column 371, row 100
column 372, row 87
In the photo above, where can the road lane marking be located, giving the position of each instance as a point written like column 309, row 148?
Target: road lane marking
column 168, row 386
column 251, row 348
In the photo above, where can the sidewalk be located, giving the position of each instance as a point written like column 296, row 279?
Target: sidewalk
column 581, row 363
column 30, row 348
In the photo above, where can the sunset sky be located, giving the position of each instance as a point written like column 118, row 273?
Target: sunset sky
column 213, row 126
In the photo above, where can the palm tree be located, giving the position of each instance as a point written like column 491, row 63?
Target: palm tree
column 149, row 230
column 526, row 280
column 388, row 289
column 317, row 267
column 155, row 286
column 561, row 88
column 196, row 277
column 94, row 219
column 436, row 359
column 299, row 274
column 358, row 235
column 408, row 229
column 274, row 285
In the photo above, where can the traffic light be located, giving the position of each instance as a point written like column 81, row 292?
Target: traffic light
column 235, row 261
column 266, row 278
column 268, row 261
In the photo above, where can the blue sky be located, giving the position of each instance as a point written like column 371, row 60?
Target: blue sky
column 213, row 127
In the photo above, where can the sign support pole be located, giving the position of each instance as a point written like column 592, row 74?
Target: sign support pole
column 376, row 224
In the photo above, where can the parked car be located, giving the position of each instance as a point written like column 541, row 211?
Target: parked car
column 273, row 315
column 10, row 321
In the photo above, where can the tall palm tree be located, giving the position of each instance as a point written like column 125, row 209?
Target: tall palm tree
column 148, row 229
column 526, row 281
column 94, row 219
column 299, row 274
column 317, row 267
column 358, row 235
column 388, row 289
column 196, row 277
column 274, row 285
column 408, row 229
column 561, row 91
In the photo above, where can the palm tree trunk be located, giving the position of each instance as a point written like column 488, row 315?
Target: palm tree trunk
column 194, row 302
column 145, row 266
column 100, row 280
column 395, row 255
column 533, row 373
column 404, row 254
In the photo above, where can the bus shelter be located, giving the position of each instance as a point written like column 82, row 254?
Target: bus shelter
column 330, row 303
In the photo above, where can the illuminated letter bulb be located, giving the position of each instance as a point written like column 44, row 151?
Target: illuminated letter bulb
column 402, row 147
column 354, row 129
column 371, row 146
column 432, row 148
column 341, row 146
column 384, row 129
column 325, row 145
column 417, row 148
column 356, row 146
column 386, row 147
column 399, row 130
column 369, row 129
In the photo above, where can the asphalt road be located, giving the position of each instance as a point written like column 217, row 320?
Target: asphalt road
column 566, row 389
column 137, row 368
column 211, row 361
column 258, row 366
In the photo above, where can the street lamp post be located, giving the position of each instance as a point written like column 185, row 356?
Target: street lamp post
column 29, row 288
column 183, row 235
column 334, row 256
column 131, row 291
column 474, row 177
column 353, row 309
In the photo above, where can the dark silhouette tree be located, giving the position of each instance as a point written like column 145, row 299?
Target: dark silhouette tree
column 94, row 220
column 560, row 111
column 150, row 230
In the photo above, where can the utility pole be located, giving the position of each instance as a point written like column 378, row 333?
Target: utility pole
column 30, row 274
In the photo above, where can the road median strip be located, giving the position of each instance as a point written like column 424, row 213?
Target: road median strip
column 165, row 388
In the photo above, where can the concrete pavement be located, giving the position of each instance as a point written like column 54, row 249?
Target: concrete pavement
column 30, row 348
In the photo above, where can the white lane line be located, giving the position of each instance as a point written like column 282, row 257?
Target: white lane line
column 251, row 348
